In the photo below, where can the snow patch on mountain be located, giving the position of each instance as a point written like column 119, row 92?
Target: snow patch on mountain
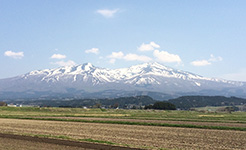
column 147, row 77
column 147, row 73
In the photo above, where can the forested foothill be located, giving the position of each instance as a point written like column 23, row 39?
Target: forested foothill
column 141, row 102
column 188, row 102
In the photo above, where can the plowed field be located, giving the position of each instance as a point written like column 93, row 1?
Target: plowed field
column 149, row 137
column 19, row 142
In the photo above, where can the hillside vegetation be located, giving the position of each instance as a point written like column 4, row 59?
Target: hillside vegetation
column 122, row 102
column 187, row 102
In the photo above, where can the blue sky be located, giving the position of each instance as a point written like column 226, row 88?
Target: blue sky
column 203, row 37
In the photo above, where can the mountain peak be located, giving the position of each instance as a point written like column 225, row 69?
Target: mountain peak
column 156, row 65
column 152, row 77
column 153, row 64
column 88, row 66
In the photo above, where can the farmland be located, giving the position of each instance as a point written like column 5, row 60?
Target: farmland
column 144, row 129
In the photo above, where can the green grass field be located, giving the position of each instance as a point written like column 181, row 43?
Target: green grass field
column 123, row 113
column 194, row 116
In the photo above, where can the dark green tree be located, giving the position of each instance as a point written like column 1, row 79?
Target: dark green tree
column 161, row 106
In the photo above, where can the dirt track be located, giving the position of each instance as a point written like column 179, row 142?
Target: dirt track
column 158, row 121
column 18, row 142
column 140, row 136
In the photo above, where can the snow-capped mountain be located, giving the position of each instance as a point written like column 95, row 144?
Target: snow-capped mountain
column 89, row 81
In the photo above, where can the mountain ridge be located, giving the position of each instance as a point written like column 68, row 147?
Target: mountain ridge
column 147, row 77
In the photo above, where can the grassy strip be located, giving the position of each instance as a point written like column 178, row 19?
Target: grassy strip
column 166, row 125
column 136, row 118
column 52, row 136
column 186, row 120
column 69, row 138
column 146, row 118
column 135, row 123
column 97, row 141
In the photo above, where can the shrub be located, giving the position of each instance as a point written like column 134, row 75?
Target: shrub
column 3, row 104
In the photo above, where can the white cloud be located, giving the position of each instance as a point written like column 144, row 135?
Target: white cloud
column 148, row 47
column 112, row 61
column 107, row 12
column 58, row 56
column 15, row 55
column 128, row 57
column 166, row 57
column 93, row 50
column 116, row 55
column 135, row 57
column 200, row 63
column 215, row 59
column 64, row 63
column 206, row 62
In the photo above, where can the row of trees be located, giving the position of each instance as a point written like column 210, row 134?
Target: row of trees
column 161, row 106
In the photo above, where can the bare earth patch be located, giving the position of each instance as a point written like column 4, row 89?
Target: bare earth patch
column 149, row 137
column 19, row 142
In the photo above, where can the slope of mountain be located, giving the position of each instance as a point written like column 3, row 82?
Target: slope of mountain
column 88, row 81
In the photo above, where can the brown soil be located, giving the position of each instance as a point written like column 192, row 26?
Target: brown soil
column 149, row 137
column 20, row 142
column 158, row 121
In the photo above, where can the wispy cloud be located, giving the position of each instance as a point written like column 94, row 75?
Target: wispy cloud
column 164, row 56
column 128, row 57
column 93, row 50
column 148, row 47
column 107, row 12
column 116, row 55
column 112, row 61
column 135, row 57
column 58, row 56
column 207, row 62
column 215, row 59
column 64, row 63
column 200, row 63
column 15, row 55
